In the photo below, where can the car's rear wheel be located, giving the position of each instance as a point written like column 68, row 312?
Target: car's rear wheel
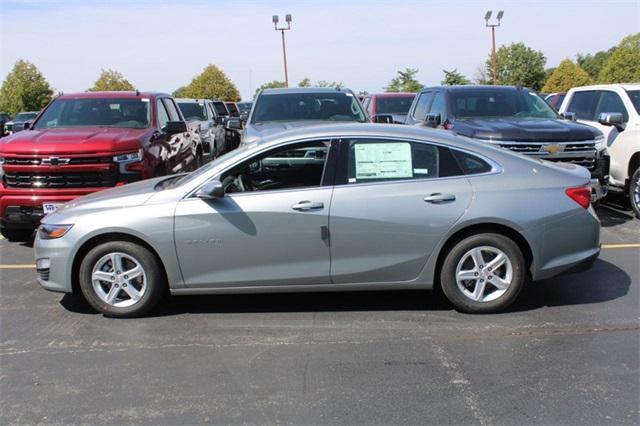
column 121, row 279
column 16, row 235
column 483, row 273
column 634, row 192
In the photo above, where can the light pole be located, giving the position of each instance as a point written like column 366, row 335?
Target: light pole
column 287, row 19
column 487, row 16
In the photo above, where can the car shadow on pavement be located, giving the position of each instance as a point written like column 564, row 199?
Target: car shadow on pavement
column 609, row 217
column 604, row 282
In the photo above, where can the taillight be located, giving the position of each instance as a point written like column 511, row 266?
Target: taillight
column 581, row 195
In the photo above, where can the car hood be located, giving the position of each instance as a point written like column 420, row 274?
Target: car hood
column 525, row 130
column 130, row 195
column 90, row 140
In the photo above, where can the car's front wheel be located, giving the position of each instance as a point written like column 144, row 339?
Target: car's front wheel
column 121, row 279
column 483, row 273
column 634, row 192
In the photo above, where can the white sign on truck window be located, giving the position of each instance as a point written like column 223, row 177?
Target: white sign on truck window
column 383, row 160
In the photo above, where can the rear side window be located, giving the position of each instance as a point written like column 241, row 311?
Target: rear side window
column 611, row 102
column 388, row 160
column 471, row 164
column 422, row 106
column 583, row 104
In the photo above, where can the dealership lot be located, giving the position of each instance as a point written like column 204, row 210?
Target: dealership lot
column 567, row 352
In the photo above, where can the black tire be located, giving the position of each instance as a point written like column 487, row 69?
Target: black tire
column 465, row 303
column 17, row 235
column 634, row 192
column 156, row 285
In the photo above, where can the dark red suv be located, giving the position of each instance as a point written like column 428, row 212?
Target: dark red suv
column 85, row 142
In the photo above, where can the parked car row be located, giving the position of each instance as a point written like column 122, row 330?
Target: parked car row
column 17, row 124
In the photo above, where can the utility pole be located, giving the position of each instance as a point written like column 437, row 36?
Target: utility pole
column 275, row 19
column 494, row 61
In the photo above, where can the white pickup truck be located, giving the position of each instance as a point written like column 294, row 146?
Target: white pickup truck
column 615, row 110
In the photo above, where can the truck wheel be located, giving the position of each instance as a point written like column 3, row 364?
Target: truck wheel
column 121, row 279
column 634, row 192
column 483, row 273
column 17, row 235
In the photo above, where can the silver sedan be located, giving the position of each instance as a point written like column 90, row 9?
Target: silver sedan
column 328, row 208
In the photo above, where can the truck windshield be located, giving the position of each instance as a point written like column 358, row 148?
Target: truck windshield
column 634, row 95
column 192, row 111
column 326, row 106
column 393, row 104
column 496, row 103
column 123, row 113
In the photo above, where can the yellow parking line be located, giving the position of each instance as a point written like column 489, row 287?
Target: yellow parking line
column 620, row 246
column 18, row 266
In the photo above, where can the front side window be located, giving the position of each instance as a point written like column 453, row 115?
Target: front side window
column 171, row 109
column 193, row 111
column 611, row 102
column 221, row 108
column 90, row 112
column 583, row 104
column 390, row 160
column 422, row 107
column 324, row 106
column 634, row 95
column 293, row 167
column 163, row 117
column 439, row 106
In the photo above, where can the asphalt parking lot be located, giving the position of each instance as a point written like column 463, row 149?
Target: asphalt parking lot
column 568, row 352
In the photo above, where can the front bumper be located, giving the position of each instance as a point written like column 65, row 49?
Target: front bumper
column 58, row 254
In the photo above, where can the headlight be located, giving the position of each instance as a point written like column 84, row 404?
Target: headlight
column 51, row 232
column 600, row 143
column 128, row 157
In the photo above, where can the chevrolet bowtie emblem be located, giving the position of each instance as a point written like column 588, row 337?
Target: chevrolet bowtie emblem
column 55, row 161
column 552, row 148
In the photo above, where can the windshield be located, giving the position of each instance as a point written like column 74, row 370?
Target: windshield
column 394, row 104
column 339, row 106
column 24, row 116
column 494, row 103
column 244, row 106
column 192, row 111
column 123, row 113
column 634, row 95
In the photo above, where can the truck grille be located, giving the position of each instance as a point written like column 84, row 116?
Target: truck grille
column 28, row 161
column 583, row 153
column 59, row 180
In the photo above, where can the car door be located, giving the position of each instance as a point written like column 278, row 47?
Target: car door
column 181, row 143
column 270, row 228
column 396, row 201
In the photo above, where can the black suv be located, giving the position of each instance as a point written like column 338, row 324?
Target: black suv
column 515, row 118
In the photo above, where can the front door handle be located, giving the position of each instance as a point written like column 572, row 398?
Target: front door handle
column 307, row 205
column 438, row 198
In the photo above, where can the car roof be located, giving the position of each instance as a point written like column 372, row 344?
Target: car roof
column 304, row 90
column 391, row 94
column 625, row 86
column 476, row 87
column 190, row 100
column 113, row 94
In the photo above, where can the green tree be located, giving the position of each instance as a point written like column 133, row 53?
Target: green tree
column 111, row 80
column 325, row 83
column 180, row 92
column 305, row 82
column 274, row 84
column 566, row 76
column 518, row 65
column 405, row 81
column 454, row 78
column 593, row 64
column 212, row 83
column 623, row 65
column 24, row 89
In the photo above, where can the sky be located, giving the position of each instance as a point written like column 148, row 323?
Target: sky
column 160, row 45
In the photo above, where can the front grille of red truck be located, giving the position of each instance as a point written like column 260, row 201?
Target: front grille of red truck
column 59, row 180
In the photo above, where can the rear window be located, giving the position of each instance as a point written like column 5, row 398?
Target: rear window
column 393, row 105
column 325, row 106
column 192, row 111
column 24, row 116
column 122, row 113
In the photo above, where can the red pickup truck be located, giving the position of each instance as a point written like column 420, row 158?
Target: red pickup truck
column 85, row 142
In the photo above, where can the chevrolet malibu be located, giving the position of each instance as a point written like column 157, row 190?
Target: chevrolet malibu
column 328, row 208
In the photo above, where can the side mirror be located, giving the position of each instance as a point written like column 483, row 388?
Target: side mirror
column 173, row 127
column 571, row 116
column 614, row 119
column 383, row 118
column 26, row 125
column 234, row 124
column 432, row 120
column 211, row 190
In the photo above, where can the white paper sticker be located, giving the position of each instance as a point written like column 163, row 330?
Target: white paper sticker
column 383, row 160
column 145, row 99
column 421, row 171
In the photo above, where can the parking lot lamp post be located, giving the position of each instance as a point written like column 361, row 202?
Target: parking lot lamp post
column 494, row 61
column 287, row 19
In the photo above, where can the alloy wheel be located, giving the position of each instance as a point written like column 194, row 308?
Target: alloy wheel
column 484, row 273
column 119, row 280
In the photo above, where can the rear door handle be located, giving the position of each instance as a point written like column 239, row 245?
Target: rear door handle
column 438, row 198
column 307, row 205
